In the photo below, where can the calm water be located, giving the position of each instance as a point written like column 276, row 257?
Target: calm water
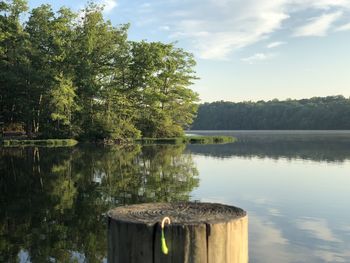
column 294, row 185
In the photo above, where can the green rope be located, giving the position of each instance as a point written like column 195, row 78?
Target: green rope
column 164, row 246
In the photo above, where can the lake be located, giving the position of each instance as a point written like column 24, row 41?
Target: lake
column 293, row 184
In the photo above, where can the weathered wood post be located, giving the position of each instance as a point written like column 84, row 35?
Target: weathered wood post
column 198, row 233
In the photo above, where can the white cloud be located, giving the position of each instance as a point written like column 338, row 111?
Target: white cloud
column 275, row 44
column 345, row 27
column 320, row 4
column 227, row 32
column 164, row 28
column 214, row 29
column 330, row 256
column 109, row 5
column 274, row 212
column 146, row 5
column 256, row 58
column 318, row 228
column 318, row 26
column 145, row 8
column 269, row 237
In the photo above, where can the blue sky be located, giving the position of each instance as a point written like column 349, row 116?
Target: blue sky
column 247, row 49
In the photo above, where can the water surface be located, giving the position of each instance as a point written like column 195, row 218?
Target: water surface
column 294, row 185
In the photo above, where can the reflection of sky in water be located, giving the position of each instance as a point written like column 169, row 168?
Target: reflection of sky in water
column 297, row 209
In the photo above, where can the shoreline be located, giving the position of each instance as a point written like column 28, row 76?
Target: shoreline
column 42, row 142
column 4, row 142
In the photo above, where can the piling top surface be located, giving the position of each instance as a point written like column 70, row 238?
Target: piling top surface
column 179, row 213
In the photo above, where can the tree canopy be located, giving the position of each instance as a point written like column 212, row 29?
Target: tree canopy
column 64, row 74
column 318, row 113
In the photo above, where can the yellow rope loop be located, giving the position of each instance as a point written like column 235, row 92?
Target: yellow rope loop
column 164, row 246
column 164, row 220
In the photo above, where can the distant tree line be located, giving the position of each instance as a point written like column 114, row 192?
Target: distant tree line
column 318, row 113
column 73, row 74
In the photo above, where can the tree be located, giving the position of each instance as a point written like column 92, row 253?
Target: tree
column 13, row 61
column 67, row 76
column 160, row 76
column 106, row 108
column 63, row 105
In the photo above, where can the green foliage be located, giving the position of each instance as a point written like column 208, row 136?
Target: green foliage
column 162, row 73
column 318, row 113
column 13, row 62
column 64, row 75
column 63, row 105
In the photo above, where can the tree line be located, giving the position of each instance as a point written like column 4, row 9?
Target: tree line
column 74, row 74
column 318, row 113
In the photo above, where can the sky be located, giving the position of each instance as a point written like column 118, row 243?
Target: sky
column 246, row 50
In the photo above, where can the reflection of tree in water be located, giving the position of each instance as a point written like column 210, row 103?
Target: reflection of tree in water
column 164, row 174
column 53, row 199
column 315, row 149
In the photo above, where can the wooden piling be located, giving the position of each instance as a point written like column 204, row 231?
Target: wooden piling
column 198, row 233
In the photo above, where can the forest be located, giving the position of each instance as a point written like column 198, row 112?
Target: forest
column 66, row 74
column 318, row 113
